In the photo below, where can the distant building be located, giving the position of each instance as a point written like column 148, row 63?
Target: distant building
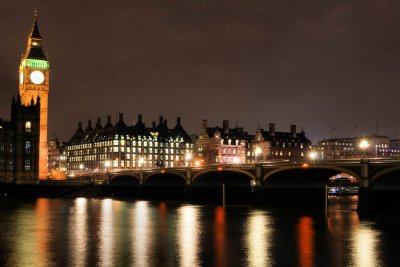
column 258, row 149
column 119, row 147
column 225, row 145
column 220, row 145
column 57, row 159
column 281, row 145
column 344, row 148
column 19, row 143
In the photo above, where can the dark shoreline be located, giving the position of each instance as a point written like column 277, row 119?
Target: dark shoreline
column 307, row 198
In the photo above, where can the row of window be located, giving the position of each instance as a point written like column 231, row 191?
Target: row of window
column 11, row 165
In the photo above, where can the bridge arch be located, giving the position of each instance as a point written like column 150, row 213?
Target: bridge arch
column 124, row 180
column 323, row 173
column 164, row 178
column 201, row 173
column 386, row 179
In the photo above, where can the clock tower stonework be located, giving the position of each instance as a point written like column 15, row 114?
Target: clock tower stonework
column 34, row 72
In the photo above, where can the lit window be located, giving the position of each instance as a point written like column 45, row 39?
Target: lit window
column 27, row 147
column 27, row 165
column 28, row 126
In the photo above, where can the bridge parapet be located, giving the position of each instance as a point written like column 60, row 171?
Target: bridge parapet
column 365, row 170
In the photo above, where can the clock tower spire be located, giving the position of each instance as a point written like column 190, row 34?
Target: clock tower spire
column 34, row 72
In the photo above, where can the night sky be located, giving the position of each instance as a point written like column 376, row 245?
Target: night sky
column 316, row 64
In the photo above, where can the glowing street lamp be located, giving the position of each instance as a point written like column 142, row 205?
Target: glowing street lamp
column 107, row 164
column 364, row 146
column 81, row 167
column 141, row 161
column 312, row 155
column 257, row 152
column 252, row 184
column 188, row 158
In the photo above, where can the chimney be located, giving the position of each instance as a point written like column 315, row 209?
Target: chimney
column 154, row 124
column 204, row 124
column 161, row 120
column 165, row 122
column 139, row 118
column 89, row 127
column 225, row 125
column 178, row 121
column 98, row 124
column 109, row 119
column 293, row 129
column 272, row 128
column 121, row 116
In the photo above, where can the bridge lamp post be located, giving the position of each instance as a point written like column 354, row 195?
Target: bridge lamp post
column 363, row 146
column 141, row 161
column 236, row 160
column 107, row 165
column 312, row 155
column 252, row 184
column 188, row 158
column 257, row 152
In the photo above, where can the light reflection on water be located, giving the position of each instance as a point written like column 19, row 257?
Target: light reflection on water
column 257, row 240
column 141, row 234
column 107, row 232
column 305, row 230
column 187, row 233
column 78, row 231
column 365, row 247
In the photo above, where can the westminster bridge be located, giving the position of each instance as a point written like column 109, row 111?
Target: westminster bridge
column 379, row 179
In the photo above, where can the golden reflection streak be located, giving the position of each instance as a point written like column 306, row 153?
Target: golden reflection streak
column 338, row 225
column 258, row 241
column 41, row 230
column 188, row 230
column 365, row 244
column 305, row 237
column 220, row 236
column 78, row 232
column 106, row 233
column 31, row 236
column 142, row 234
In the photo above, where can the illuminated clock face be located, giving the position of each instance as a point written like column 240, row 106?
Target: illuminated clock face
column 37, row 77
column 21, row 77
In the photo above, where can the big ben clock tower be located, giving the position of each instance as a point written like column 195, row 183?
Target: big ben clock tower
column 34, row 72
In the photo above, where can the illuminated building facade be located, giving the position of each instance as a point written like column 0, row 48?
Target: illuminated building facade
column 57, row 159
column 342, row 148
column 34, row 73
column 118, row 147
column 258, row 149
column 225, row 145
column 285, row 145
column 19, row 143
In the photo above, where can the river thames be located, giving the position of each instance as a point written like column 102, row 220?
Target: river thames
column 113, row 232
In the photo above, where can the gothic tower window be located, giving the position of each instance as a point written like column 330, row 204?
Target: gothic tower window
column 28, row 127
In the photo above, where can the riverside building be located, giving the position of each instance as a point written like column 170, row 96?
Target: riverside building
column 216, row 145
column 19, row 143
column 224, row 145
column 121, row 147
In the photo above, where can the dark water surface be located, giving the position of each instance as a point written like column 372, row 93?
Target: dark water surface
column 109, row 232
